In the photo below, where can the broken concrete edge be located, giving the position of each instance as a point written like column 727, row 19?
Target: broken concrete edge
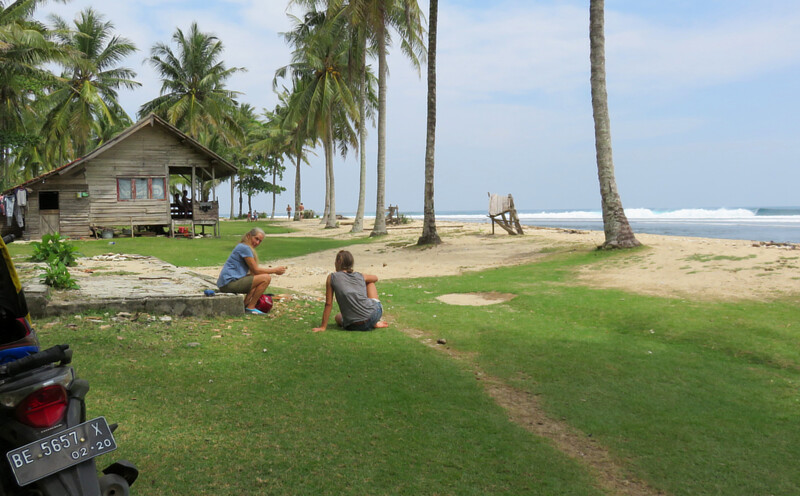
column 178, row 306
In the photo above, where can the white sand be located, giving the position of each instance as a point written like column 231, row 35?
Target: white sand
column 700, row 268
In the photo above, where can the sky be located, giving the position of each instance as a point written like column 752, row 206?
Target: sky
column 703, row 100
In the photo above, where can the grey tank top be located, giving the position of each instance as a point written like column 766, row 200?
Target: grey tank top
column 351, row 295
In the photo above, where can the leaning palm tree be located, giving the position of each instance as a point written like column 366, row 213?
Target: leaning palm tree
column 84, row 108
column 618, row 232
column 429, row 234
column 193, row 94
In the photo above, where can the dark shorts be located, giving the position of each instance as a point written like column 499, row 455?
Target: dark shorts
column 239, row 286
column 368, row 324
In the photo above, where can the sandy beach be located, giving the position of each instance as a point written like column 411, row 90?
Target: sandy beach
column 697, row 268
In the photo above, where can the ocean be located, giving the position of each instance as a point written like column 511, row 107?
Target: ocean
column 776, row 224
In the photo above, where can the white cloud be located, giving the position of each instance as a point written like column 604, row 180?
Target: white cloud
column 642, row 53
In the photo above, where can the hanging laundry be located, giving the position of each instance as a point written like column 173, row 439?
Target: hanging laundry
column 22, row 197
column 9, row 203
column 19, row 215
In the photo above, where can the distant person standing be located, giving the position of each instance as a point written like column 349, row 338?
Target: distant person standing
column 289, row 211
column 186, row 203
column 301, row 209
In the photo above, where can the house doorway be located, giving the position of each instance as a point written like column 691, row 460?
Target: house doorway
column 49, row 212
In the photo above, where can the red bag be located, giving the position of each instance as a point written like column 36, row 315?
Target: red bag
column 264, row 303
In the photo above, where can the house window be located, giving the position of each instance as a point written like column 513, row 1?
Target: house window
column 141, row 188
column 48, row 200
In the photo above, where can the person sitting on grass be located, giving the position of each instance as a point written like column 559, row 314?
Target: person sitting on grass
column 357, row 297
column 241, row 273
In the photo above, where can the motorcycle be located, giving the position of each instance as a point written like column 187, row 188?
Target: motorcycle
column 49, row 446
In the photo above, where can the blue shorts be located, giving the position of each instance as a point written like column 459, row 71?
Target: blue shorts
column 368, row 324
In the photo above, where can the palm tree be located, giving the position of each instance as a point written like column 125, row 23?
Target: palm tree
column 289, row 132
column 84, row 109
column 379, row 16
column 319, row 67
column 193, row 94
column 364, row 81
column 25, row 46
column 429, row 234
column 375, row 18
column 618, row 231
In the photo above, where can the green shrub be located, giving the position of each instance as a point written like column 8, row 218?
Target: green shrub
column 54, row 247
column 59, row 254
column 57, row 275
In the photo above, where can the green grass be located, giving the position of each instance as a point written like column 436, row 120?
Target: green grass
column 697, row 257
column 697, row 398
column 205, row 252
column 264, row 406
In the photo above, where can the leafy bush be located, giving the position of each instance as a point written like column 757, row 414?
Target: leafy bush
column 57, row 275
column 309, row 214
column 54, row 247
column 59, row 254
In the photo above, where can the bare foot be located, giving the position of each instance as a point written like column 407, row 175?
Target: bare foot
column 381, row 324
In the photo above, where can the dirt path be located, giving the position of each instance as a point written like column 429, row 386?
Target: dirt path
column 523, row 409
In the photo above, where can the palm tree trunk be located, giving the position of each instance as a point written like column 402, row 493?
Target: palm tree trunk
column 330, row 223
column 618, row 232
column 240, row 200
column 233, row 183
column 297, row 189
column 358, row 224
column 327, row 208
column 380, row 208
column 429, row 234
column 274, row 193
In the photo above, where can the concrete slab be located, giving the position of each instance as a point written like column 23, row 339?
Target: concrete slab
column 128, row 283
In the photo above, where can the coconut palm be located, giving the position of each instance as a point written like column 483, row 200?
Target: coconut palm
column 377, row 17
column 364, row 81
column 84, row 109
column 319, row 68
column 25, row 46
column 193, row 95
column 288, row 134
column 429, row 234
column 618, row 232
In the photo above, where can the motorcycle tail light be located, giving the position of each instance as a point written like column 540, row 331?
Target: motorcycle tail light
column 43, row 408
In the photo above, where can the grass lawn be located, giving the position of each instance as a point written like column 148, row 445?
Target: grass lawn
column 205, row 252
column 257, row 405
column 693, row 397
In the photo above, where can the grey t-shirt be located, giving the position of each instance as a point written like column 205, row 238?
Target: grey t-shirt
column 351, row 294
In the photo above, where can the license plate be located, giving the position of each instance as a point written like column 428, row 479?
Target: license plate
column 62, row 450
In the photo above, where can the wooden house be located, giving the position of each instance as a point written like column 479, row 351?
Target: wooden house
column 125, row 182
